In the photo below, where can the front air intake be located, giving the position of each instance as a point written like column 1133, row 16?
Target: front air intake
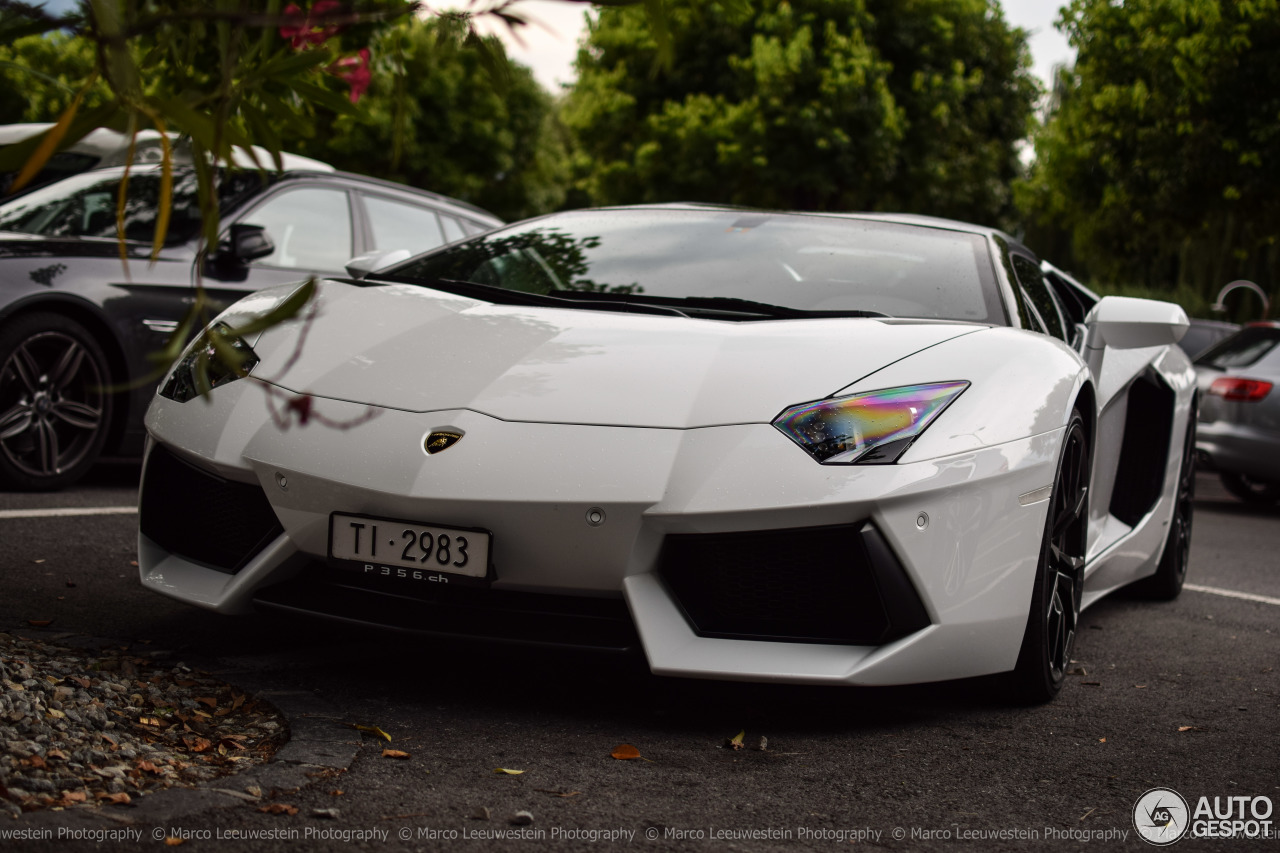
column 202, row 517
column 837, row 584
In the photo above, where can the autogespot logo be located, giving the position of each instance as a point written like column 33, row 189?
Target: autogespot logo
column 1161, row 816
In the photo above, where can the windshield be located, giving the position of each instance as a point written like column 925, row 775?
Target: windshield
column 84, row 205
column 1245, row 348
column 806, row 262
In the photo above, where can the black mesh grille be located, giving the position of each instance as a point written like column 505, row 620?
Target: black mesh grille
column 522, row 618
column 818, row 585
column 202, row 517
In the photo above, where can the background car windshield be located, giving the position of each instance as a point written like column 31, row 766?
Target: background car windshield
column 810, row 262
column 1243, row 349
column 85, row 205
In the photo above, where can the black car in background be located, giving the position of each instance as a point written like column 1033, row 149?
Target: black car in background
column 75, row 321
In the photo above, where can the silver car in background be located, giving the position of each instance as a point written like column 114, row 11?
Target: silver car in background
column 1238, row 433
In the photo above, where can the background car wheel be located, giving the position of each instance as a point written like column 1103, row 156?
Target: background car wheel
column 1166, row 583
column 1250, row 490
column 54, row 404
column 1055, row 599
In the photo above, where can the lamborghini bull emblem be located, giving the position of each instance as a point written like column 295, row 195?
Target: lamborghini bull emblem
column 440, row 440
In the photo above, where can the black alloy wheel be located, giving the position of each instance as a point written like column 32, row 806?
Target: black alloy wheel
column 1250, row 490
column 1166, row 583
column 54, row 404
column 1055, row 601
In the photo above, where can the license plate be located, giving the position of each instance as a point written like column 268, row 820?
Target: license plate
column 408, row 550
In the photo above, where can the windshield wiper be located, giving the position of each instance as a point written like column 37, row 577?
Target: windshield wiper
column 636, row 303
column 505, row 296
column 720, row 305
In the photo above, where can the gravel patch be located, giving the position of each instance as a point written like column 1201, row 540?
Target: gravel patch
column 91, row 729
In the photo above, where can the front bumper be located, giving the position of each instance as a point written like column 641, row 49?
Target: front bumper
column 967, row 546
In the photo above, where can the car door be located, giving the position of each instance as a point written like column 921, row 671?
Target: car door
column 396, row 223
column 312, row 231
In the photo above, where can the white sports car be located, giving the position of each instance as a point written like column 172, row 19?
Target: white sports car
column 813, row 448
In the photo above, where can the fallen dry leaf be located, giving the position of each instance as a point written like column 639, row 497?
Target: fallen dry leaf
column 57, row 753
column 120, row 799
column 1102, row 740
column 207, row 701
column 394, row 753
column 1190, row 729
column 198, row 744
column 174, row 841
column 74, row 796
column 278, row 808
column 37, row 762
column 148, row 767
column 83, row 682
column 564, row 794
column 373, row 730
column 625, row 752
column 151, row 721
column 507, row 772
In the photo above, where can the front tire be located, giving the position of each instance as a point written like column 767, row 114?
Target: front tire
column 54, row 403
column 1055, row 600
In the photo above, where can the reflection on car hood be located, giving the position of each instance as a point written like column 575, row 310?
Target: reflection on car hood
column 420, row 350
column 16, row 245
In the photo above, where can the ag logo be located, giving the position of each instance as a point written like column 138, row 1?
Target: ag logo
column 441, row 440
column 1161, row 816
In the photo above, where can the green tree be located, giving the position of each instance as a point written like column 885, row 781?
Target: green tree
column 814, row 104
column 442, row 115
column 40, row 75
column 1162, row 152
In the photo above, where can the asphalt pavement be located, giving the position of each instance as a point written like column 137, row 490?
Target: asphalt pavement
column 1180, row 696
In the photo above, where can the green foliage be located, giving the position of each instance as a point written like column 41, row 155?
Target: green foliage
column 1162, row 153
column 442, row 115
column 812, row 104
column 39, row 76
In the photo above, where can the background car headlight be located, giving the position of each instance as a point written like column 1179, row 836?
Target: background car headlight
column 871, row 428
column 209, row 363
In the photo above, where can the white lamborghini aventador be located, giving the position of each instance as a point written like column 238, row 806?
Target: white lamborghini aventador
column 858, row 449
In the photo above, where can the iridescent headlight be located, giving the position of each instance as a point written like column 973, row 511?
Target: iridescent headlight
column 872, row 428
column 209, row 364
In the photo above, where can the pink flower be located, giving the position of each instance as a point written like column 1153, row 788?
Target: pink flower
column 310, row 29
column 355, row 71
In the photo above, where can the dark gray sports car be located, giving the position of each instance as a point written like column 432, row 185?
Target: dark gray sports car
column 76, row 322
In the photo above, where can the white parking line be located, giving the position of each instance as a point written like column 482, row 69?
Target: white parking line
column 63, row 512
column 1231, row 593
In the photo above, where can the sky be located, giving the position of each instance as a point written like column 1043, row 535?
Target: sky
column 551, row 44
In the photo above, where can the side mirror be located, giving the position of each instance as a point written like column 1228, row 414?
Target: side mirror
column 246, row 243
column 361, row 265
column 1121, row 322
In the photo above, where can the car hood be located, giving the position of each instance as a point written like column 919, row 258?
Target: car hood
column 420, row 350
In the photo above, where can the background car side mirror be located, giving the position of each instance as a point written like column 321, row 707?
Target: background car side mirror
column 1122, row 322
column 246, row 243
column 361, row 265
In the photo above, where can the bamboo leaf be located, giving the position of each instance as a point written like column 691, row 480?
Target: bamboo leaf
column 286, row 310
column 51, row 139
column 13, row 157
